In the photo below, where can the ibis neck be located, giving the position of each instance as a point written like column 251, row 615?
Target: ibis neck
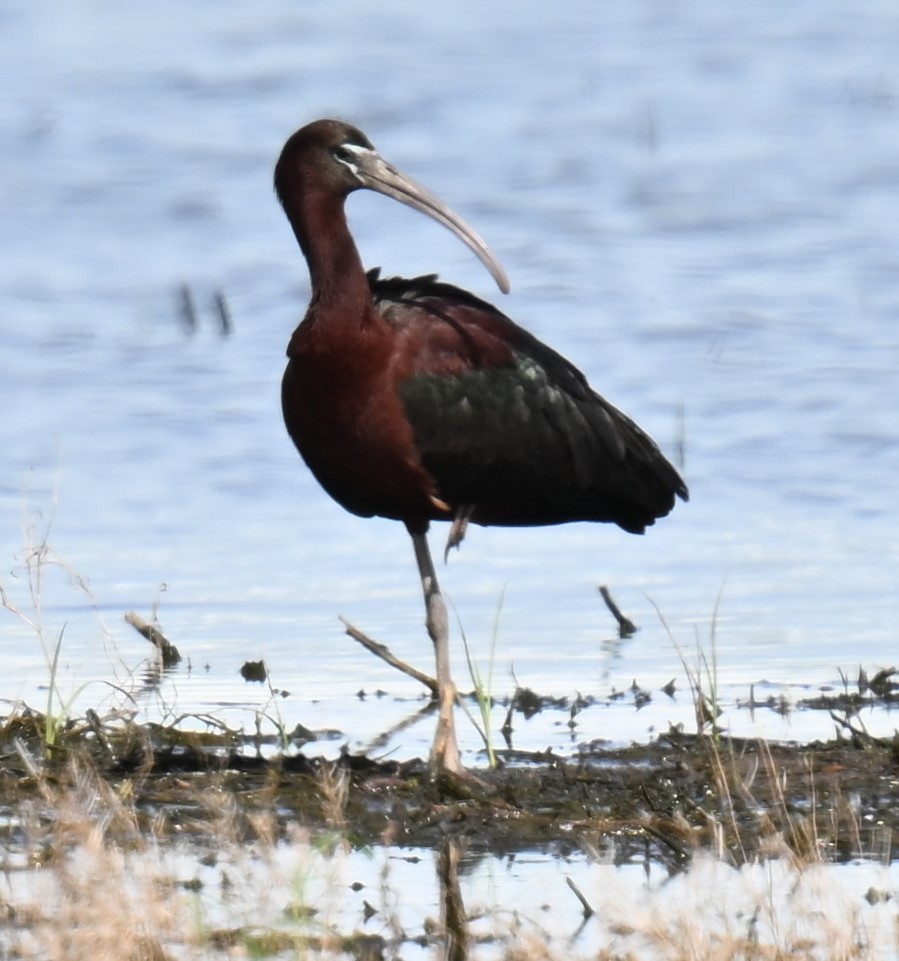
column 335, row 268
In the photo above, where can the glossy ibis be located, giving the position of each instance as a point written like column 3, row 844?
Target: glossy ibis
column 417, row 401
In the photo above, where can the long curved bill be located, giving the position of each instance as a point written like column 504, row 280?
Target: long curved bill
column 376, row 174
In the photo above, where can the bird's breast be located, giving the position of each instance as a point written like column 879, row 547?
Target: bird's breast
column 349, row 424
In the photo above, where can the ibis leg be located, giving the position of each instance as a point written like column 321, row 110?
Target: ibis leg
column 445, row 751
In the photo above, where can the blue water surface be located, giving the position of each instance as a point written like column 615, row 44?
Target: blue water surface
column 698, row 204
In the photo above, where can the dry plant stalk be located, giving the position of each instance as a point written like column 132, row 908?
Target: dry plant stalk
column 99, row 895
column 334, row 786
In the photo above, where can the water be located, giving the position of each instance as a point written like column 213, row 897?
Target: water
column 191, row 897
column 696, row 204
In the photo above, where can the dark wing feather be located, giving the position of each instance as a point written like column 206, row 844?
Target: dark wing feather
column 510, row 429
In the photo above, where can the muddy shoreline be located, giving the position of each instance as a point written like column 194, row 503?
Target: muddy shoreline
column 663, row 800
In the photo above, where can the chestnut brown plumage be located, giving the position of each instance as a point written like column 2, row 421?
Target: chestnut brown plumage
column 417, row 401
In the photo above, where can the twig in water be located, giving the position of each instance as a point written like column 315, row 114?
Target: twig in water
column 858, row 734
column 168, row 651
column 382, row 651
column 585, row 904
column 223, row 312
column 187, row 311
column 626, row 627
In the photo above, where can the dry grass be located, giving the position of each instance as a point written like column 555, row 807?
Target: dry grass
column 84, row 879
column 88, row 876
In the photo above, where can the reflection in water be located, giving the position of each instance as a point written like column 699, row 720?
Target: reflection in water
column 381, row 742
column 452, row 908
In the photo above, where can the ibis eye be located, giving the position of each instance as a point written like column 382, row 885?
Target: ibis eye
column 345, row 155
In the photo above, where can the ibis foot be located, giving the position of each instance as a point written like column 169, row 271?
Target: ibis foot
column 458, row 529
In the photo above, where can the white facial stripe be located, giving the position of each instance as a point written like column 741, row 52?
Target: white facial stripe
column 360, row 151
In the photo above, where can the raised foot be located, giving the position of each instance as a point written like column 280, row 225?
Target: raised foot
column 458, row 529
